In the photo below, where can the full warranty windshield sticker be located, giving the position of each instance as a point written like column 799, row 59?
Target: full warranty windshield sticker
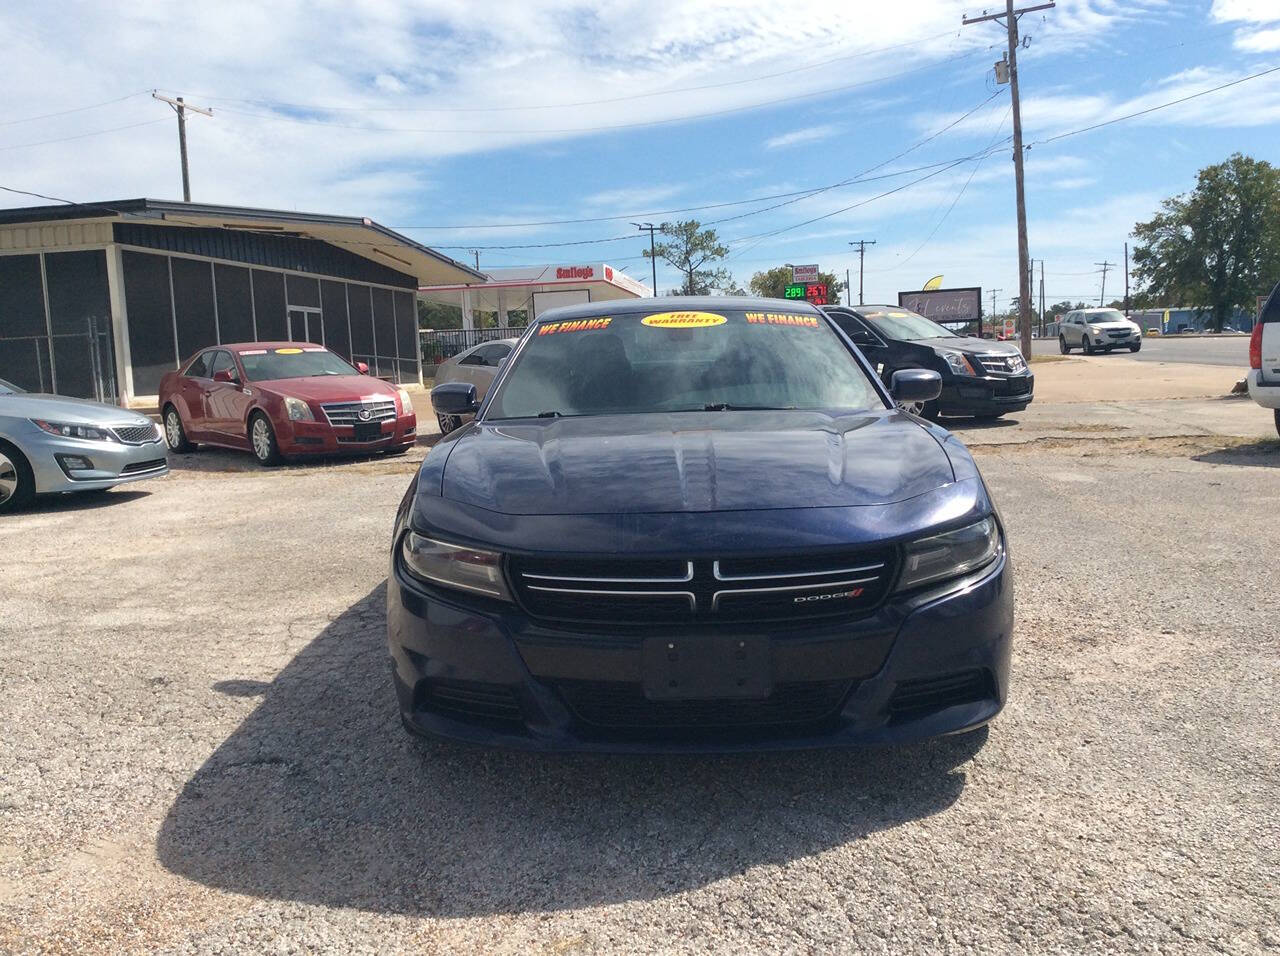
column 683, row 320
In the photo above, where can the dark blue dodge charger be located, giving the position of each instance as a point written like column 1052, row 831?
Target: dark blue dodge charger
column 696, row 524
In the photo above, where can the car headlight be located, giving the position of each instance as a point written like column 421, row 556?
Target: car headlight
column 958, row 362
column 454, row 566
column 68, row 430
column 299, row 411
column 1095, row 330
column 406, row 406
column 950, row 554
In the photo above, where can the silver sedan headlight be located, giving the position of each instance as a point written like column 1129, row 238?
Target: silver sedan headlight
column 70, row 430
column 454, row 566
column 950, row 554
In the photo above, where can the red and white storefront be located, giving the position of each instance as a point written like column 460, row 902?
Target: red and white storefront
column 535, row 289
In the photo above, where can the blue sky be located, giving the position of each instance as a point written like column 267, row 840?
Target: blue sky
column 505, row 113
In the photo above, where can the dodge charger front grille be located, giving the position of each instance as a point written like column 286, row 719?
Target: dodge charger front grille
column 666, row 591
column 349, row 413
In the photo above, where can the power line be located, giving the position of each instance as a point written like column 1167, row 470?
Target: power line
column 96, row 132
column 77, row 109
column 556, row 106
column 1152, row 109
column 616, row 126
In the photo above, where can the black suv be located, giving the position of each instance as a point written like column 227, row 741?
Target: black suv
column 980, row 377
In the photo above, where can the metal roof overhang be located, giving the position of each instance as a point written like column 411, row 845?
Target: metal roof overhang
column 357, row 235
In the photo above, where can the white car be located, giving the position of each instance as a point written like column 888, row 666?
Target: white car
column 1097, row 330
column 1264, row 357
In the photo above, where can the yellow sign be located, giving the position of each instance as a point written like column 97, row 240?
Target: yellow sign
column 288, row 351
column 683, row 320
column 934, row 283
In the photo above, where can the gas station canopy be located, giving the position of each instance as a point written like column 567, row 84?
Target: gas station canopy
column 536, row 289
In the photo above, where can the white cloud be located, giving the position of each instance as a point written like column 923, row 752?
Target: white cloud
column 1258, row 41
column 809, row 134
column 1254, row 11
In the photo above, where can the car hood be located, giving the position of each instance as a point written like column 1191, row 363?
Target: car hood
column 690, row 462
column 972, row 345
column 1127, row 326
column 330, row 388
column 60, row 408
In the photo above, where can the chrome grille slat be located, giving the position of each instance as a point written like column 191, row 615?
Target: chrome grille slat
column 348, row 413
column 611, row 593
column 720, row 576
column 715, row 599
column 999, row 364
column 688, row 576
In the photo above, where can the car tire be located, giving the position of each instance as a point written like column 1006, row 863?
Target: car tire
column 1277, row 413
column 175, row 435
column 17, row 483
column 1136, row 347
column 262, row 441
column 1063, row 347
column 448, row 423
column 1085, row 346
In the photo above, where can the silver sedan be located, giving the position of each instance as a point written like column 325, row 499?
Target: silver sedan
column 477, row 366
column 52, row 444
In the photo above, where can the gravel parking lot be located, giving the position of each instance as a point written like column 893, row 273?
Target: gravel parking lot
column 201, row 751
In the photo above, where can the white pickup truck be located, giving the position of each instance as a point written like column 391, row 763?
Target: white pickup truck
column 1264, row 356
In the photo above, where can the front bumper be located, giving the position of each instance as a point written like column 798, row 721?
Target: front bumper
column 1107, row 341
column 1268, row 396
column 987, row 395
column 112, row 463
column 321, row 438
column 485, row 673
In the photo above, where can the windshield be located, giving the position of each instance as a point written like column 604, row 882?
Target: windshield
column 262, row 365
column 1106, row 315
column 902, row 324
column 681, row 362
column 8, row 388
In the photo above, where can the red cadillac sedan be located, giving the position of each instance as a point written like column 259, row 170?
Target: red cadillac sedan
column 281, row 399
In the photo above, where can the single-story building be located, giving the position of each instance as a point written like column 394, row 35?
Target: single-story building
column 535, row 289
column 99, row 300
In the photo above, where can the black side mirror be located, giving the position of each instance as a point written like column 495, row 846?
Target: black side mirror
column 915, row 385
column 459, row 398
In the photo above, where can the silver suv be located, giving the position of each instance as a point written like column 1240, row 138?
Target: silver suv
column 1097, row 330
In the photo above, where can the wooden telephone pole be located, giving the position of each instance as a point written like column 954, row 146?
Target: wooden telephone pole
column 862, row 252
column 180, row 107
column 1010, row 16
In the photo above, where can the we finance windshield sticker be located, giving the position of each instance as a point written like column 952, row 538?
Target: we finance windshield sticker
column 683, row 320
column 576, row 325
column 782, row 318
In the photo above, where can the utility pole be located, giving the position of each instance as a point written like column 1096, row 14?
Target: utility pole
column 993, row 313
column 1102, row 296
column 862, row 252
column 653, row 258
column 1024, row 285
column 1041, row 298
column 1126, row 281
column 848, row 289
column 181, row 108
column 477, row 255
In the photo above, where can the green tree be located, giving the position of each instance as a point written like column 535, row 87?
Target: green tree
column 1217, row 246
column 772, row 283
column 695, row 252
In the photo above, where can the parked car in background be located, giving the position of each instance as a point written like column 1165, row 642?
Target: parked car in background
column 280, row 399
column 1264, row 357
column 696, row 524
column 983, row 378
column 477, row 366
column 1097, row 330
column 52, row 444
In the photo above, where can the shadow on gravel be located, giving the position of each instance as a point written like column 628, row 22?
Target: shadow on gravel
column 83, row 500
column 1259, row 454
column 321, row 797
column 962, row 425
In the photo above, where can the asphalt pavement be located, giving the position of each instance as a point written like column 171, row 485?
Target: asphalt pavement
column 201, row 752
column 1230, row 350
